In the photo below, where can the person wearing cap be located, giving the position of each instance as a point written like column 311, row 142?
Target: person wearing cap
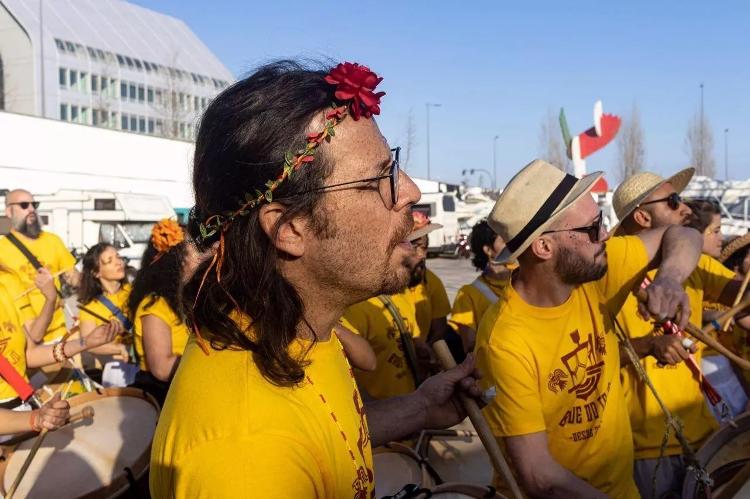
column 645, row 202
column 550, row 347
column 425, row 289
column 473, row 300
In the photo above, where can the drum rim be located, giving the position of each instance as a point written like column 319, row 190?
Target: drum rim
column 120, row 482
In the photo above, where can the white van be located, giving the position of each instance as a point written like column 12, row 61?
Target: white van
column 85, row 218
column 441, row 208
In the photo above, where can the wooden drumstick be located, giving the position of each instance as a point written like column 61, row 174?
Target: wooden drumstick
column 710, row 328
column 480, row 424
column 86, row 413
column 737, row 299
column 31, row 290
column 705, row 338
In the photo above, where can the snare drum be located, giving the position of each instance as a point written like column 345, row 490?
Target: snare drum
column 457, row 454
column 723, row 455
column 396, row 465
column 97, row 458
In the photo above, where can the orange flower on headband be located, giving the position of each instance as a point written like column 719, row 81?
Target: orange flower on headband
column 420, row 220
column 165, row 235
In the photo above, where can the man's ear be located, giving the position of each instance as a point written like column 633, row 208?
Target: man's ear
column 642, row 218
column 289, row 236
column 542, row 247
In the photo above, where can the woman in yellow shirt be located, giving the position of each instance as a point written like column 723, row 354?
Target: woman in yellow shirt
column 160, row 331
column 104, row 292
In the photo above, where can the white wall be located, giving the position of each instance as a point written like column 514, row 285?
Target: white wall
column 44, row 156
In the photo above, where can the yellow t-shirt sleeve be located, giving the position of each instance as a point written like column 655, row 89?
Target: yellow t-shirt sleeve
column 355, row 318
column 714, row 276
column 161, row 309
column 268, row 466
column 627, row 261
column 517, row 407
column 441, row 305
column 65, row 259
column 464, row 310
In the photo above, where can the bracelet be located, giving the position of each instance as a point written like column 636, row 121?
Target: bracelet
column 34, row 421
column 58, row 352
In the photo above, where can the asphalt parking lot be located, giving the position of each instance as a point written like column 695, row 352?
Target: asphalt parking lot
column 453, row 272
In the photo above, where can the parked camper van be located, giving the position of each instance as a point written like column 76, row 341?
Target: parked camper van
column 85, row 218
column 441, row 208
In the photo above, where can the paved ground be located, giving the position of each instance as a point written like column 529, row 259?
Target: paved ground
column 453, row 272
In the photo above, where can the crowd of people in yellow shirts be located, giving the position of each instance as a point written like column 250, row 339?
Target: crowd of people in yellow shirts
column 541, row 322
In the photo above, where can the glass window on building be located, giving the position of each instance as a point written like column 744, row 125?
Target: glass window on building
column 71, row 48
column 63, row 112
column 159, row 127
column 132, row 91
column 83, row 82
column 85, row 115
column 141, row 94
column 123, row 90
column 112, row 87
column 142, row 124
column 138, row 64
column 63, row 77
column 129, row 61
column 73, row 79
column 112, row 119
column 196, row 103
column 91, row 52
column 124, row 124
column 95, row 117
column 182, row 130
column 159, row 96
column 134, row 123
column 150, row 95
column 100, row 54
column 74, row 114
column 94, row 83
column 80, row 50
column 120, row 60
column 60, row 45
column 150, row 126
column 104, row 84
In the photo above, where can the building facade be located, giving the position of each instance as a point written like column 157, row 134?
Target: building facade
column 105, row 63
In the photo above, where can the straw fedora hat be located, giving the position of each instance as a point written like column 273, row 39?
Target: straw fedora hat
column 634, row 190
column 531, row 202
column 422, row 225
column 733, row 246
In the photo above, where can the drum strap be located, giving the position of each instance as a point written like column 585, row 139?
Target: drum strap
column 33, row 260
column 485, row 290
column 407, row 341
column 116, row 311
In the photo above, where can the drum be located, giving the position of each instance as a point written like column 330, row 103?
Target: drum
column 460, row 491
column 396, row 465
column 457, row 454
column 96, row 458
column 725, row 456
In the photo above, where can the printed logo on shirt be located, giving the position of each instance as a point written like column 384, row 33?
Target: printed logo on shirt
column 584, row 364
column 364, row 481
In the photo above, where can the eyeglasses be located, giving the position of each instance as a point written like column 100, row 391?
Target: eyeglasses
column 594, row 230
column 25, row 204
column 394, row 171
column 673, row 201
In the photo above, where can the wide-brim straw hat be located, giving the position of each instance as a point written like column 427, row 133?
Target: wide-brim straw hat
column 531, row 202
column 634, row 190
column 733, row 246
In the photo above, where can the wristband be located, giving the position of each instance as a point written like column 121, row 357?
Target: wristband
column 716, row 325
column 34, row 421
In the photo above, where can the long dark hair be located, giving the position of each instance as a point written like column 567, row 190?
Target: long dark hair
column 481, row 235
column 241, row 143
column 158, row 277
column 90, row 286
column 703, row 213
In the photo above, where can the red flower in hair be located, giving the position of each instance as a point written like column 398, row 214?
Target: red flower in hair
column 356, row 83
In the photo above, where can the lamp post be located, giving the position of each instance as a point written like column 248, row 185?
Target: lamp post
column 494, row 161
column 427, row 106
column 726, row 154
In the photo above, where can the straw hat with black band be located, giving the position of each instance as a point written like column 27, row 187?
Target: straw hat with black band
column 532, row 201
column 422, row 225
column 734, row 246
column 636, row 189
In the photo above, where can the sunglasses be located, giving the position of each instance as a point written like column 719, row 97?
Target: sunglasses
column 25, row 204
column 673, row 201
column 593, row 231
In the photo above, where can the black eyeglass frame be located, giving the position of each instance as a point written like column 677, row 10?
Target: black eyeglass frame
column 35, row 204
column 394, row 174
column 593, row 231
column 674, row 201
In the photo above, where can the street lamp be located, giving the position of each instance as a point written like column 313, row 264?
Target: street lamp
column 427, row 106
column 494, row 161
column 726, row 154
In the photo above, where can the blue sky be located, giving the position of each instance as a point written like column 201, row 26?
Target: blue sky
column 498, row 67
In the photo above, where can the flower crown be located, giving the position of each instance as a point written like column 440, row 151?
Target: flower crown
column 165, row 235
column 355, row 85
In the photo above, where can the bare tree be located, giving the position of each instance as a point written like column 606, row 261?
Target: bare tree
column 410, row 133
column 631, row 146
column 171, row 101
column 699, row 144
column 551, row 147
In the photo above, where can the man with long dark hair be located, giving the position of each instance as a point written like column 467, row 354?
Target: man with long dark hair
column 263, row 403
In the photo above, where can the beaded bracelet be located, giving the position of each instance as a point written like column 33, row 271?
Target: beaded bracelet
column 34, row 421
column 58, row 352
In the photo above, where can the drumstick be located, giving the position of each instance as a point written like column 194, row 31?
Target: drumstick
column 480, row 424
column 710, row 328
column 705, row 338
column 86, row 413
column 34, row 449
column 737, row 298
column 31, row 289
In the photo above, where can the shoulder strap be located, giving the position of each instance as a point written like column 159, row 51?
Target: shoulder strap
column 406, row 339
column 116, row 311
column 485, row 290
column 23, row 249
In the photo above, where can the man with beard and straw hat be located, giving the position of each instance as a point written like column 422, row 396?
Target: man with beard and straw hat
column 26, row 248
column 263, row 403
column 390, row 324
column 642, row 203
column 549, row 345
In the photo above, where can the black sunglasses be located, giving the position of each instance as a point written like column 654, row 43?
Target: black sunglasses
column 673, row 201
column 25, row 204
column 393, row 175
column 594, row 230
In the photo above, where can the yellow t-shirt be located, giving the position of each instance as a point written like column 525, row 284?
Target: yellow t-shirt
column 161, row 309
column 675, row 384
column 557, row 370
column 471, row 303
column 372, row 320
column 12, row 339
column 52, row 253
column 430, row 301
column 225, row 431
column 119, row 299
